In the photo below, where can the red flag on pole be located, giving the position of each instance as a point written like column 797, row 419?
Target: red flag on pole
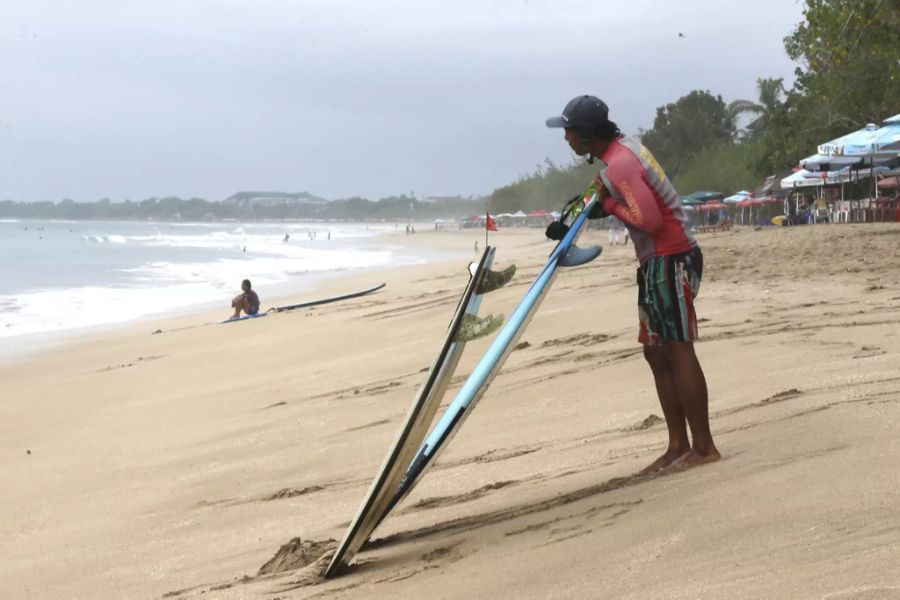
column 489, row 223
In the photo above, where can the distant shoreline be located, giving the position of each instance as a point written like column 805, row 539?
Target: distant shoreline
column 444, row 244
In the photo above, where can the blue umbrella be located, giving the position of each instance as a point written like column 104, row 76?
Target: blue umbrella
column 823, row 162
column 867, row 142
column 736, row 197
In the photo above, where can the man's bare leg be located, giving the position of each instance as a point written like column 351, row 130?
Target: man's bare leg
column 691, row 386
column 238, row 304
column 666, row 389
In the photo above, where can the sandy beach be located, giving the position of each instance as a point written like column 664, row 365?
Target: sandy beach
column 175, row 464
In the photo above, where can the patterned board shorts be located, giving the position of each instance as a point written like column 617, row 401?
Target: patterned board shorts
column 667, row 286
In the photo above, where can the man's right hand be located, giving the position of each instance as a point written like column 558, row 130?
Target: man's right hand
column 597, row 211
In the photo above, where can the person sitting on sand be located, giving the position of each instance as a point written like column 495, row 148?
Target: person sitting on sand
column 634, row 188
column 247, row 301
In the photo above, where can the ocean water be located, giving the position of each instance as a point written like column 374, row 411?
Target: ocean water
column 62, row 276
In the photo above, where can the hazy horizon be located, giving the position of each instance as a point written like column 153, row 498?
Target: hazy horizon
column 137, row 100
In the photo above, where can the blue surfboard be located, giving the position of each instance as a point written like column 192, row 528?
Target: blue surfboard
column 565, row 254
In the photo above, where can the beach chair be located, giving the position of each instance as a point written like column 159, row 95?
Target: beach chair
column 821, row 215
column 819, row 211
column 841, row 212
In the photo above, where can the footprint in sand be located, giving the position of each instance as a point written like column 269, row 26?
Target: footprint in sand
column 290, row 493
column 439, row 501
column 136, row 361
column 869, row 352
column 368, row 425
column 581, row 339
column 782, row 396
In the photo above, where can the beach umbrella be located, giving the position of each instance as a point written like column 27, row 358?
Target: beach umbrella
column 701, row 197
column 823, row 162
column 747, row 202
column 519, row 214
column 866, row 142
column 889, row 182
column 869, row 142
column 743, row 204
column 804, row 178
column 737, row 197
column 710, row 206
column 757, row 202
column 820, row 162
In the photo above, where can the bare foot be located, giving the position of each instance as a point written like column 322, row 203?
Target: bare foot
column 664, row 461
column 694, row 459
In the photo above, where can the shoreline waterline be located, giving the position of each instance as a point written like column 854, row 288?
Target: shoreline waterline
column 71, row 277
column 425, row 249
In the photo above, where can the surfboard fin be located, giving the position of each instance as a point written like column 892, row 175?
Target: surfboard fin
column 473, row 327
column 579, row 256
column 492, row 280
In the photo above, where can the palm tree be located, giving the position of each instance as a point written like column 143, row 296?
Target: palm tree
column 770, row 91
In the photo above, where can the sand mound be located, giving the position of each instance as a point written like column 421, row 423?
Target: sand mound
column 646, row 423
column 297, row 554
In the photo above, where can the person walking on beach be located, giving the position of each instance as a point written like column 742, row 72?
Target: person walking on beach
column 246, row 301
column 634, row 189
column 615, row 227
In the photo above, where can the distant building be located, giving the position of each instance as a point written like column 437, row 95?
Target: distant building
column 275, row 199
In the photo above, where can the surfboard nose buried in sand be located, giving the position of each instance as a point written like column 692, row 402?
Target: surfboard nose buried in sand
column 393, row 482
column 422, row 411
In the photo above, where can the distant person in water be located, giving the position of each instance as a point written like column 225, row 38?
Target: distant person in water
column 247, row 301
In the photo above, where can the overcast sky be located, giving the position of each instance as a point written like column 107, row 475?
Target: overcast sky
column 133, row 99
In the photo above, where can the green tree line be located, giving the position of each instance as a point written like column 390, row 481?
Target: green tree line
column 394, row 208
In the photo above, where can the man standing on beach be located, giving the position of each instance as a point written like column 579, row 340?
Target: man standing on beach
column 615, row 227
column 634, row 189
column 247, row 301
